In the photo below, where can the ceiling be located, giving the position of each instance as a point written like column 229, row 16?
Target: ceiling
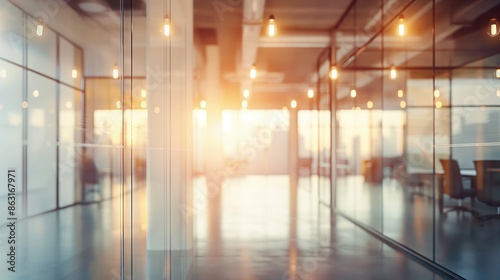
column 287, row 63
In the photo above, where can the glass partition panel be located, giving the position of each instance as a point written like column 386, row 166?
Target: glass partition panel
column 308, row 141
column 42, row 51
column 466, row 220
column 70, row 146
column 11, row 129
column 324, row 157
column 11, row 32
column 70, row 63
column 42, row 144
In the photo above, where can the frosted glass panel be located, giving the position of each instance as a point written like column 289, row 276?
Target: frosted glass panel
column 70, row 63
column 69, row 148
column 11, row 32
column 41, row 144
column 42, row 53
column 11, row 118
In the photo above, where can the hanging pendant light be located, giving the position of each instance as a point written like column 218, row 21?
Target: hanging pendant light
column 253, row 72
column 401, row 26
column 334, row 74
column 115, row 72
column 310, row 93
column 166, row 27
column 353, row 93
column 393, row 73
column 493, row 27
column 39, row 28
column 246, row 93
column 369, row 104
column 271, row 26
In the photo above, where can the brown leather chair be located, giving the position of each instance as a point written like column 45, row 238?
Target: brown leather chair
column 488, row 185
column 454, row 188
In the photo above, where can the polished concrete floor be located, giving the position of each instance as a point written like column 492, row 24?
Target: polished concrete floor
column 259, row 227
column 407, row 215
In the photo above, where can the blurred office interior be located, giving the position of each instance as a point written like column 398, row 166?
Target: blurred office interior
column 250, row 139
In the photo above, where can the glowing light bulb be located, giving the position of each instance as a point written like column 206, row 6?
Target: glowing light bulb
column 401, row 26
column 246, row 93
column 115, row 72
column 498, row 92
column 497, row 73
column 437, row 93
column 369, row 104
column 36, row 93
column 394, row 73
column 293, row 104
column 439, row 104
column 334, row 74
column 143, row 104
column 271, row 26
column 118, row 104
column 310, row 93
column 166, row 27
column 143, row 93
column 3, row 73
column 400, row 93
column 69, row 104
column 244, row 104
column 253, row 72
column 353, row 93
column 24, row 104
column 402, row 104
column 74, row 73
column 39, row 28
column 203, row 104
column 493, row 28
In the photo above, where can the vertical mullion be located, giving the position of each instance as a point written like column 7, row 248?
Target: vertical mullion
column 57, row 97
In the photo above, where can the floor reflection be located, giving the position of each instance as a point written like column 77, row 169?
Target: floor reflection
column 270, row 227
column 405, row 214
column 254, row 228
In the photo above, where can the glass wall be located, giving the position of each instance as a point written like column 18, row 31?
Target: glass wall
column 42, row 133
column 75, row 118
column 421, row 99
column 41, row 98
column 11, row 120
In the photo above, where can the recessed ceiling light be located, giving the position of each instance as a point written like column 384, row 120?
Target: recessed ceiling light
column 92, row 7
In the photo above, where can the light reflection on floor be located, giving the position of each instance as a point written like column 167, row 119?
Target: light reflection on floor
column 405, row 214
column 268, row 227
column 256, row 228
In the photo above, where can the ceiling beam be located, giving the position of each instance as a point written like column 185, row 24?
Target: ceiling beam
column 253, row 12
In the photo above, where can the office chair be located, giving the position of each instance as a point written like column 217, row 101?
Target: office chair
column 488, row 186
column 453, row 186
